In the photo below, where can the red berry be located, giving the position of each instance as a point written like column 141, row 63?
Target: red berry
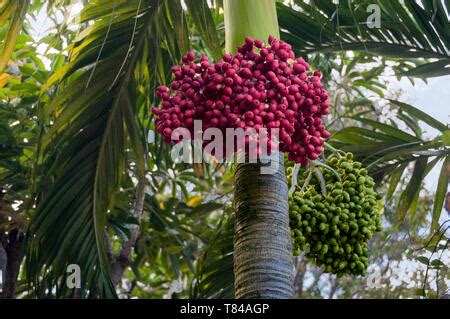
column 190, row 56
column 255, row 88
column 167, row 132
column 245, row 73
column 325, row 134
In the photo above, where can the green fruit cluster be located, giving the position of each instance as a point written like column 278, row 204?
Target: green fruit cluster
column 334, row 227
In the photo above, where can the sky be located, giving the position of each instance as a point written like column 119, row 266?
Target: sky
column 434, row 99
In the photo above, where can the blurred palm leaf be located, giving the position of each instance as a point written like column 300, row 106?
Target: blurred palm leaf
column 388, row 149
column 409, row 30
column 12, row 15
column 214, row 277
column 126, row 48
column 94, row 113
column 203, row 19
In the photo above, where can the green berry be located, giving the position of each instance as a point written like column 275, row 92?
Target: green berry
column 337, row 225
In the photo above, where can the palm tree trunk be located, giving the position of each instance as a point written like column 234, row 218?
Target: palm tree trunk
column 262, row 244
column 263, row 266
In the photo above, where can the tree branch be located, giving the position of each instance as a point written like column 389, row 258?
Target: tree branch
column 14, row 259
column 123, row 260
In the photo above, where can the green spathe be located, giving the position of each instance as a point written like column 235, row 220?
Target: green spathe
column 249, row 18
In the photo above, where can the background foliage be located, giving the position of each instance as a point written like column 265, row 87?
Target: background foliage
column 80, row 184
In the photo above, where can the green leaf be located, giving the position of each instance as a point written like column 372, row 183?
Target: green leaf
column 84, row 151
column 362, row 135
column 441, row 192
column 17, row 10
column 399, row 134
column 408, row 32
column 437, row 264
column 420, row 292
column 395, row 179
column 420, row 115
column 423, row 260
column 429, row 70
column 214, row 277
column 413, row 187
column 201, row 15
column 445, row 138
column 177, row 19
column 204, row 209
column 173, row 249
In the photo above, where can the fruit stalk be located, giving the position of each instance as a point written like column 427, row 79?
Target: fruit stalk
column 263, row 265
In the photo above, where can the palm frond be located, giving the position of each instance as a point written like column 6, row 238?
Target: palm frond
column 388, row 149
column 409, row 30
column 94, row 114
column 12, row 14
column 104, row 93
column 214, row 276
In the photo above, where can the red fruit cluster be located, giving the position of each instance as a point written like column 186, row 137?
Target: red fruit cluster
column 262, row 86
